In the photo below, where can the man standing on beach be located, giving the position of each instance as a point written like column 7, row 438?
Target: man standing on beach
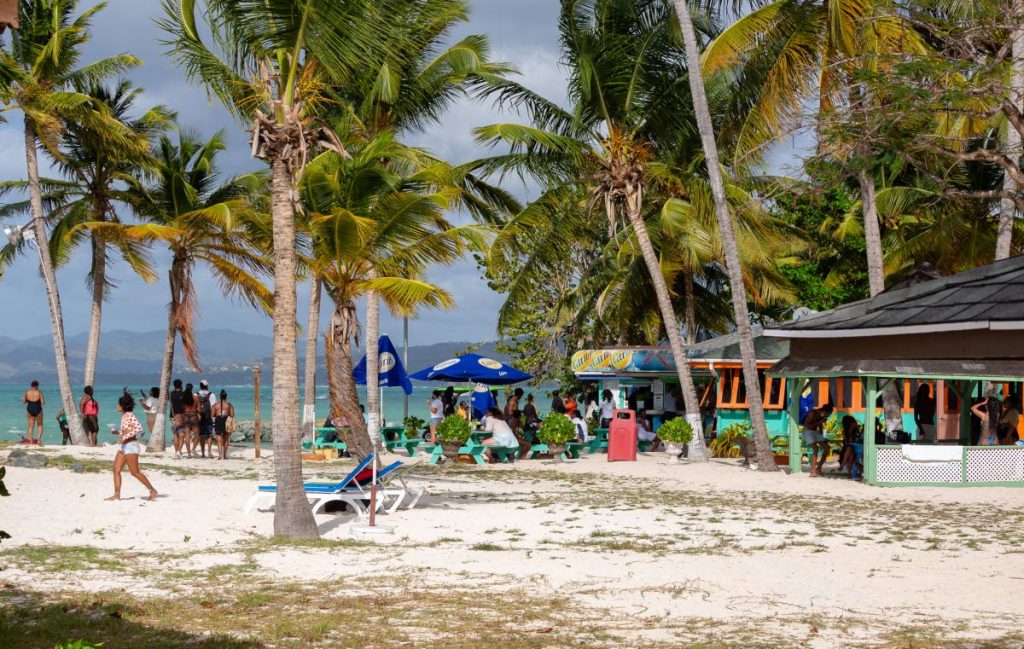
column 557, row 405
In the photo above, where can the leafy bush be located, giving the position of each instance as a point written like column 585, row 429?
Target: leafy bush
column 557, row 429
column 725, row 444
column 676, row 431
column 78, row 644
column 453, row 429
column 413, row 426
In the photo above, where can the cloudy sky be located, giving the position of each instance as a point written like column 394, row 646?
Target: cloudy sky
column 523, row 32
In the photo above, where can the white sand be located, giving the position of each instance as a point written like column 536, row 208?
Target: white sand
column 762, row 545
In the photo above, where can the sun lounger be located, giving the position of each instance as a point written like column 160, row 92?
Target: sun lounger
column 349, row 490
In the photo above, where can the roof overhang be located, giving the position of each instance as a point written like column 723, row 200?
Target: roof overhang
column 956, row 369
column 983, row 325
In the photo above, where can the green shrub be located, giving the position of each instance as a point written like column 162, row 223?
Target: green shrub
column 556, row 429
column 724, row 445
column 78, row 644
column 413, row 426
column 453, row 429
column 676, row 431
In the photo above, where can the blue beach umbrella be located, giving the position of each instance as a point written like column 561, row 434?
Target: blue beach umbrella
column 472, row 368
column 391, row 373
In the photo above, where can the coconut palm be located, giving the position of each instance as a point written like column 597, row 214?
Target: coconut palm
column 93, row 172
column 40, row 75
column 628, row 92
column 271, row 63
column 202, row 219
column 378, row 223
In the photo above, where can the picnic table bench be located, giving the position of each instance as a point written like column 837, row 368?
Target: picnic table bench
column 599, row 442
column 473, row 449
column 572, row 450
column 320, row 440
column 394, row 437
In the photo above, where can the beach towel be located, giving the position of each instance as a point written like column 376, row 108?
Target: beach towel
column 942, row 453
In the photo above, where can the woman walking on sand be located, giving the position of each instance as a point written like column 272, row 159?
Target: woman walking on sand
column 90, row 410
column 128, row 447
column 34, row 402
column 223, row 413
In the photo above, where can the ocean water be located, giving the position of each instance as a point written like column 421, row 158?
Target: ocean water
column 13, row 420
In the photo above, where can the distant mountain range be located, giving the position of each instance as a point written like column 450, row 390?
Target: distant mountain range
column 130, row 357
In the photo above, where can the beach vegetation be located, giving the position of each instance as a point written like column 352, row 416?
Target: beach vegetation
column 453, row 429
column 556, row 429
column 676, row 431
column 726, row 442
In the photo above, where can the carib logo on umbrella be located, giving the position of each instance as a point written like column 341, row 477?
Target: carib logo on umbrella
column 386, row 362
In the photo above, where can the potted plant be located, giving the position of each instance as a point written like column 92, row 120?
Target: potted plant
column 453, row 432
column 555, row 431
column 413, row 426
column 675, row 434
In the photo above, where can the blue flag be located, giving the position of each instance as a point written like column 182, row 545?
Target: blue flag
column 391, row 373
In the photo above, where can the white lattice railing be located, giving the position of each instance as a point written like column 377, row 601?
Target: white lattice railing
column 978, row 465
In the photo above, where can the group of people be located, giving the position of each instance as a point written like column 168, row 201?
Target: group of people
column 198, row 417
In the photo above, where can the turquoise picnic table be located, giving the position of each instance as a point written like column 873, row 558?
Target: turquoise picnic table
column 320, row 440
column 599, row 442
column 572, row 450
column 394, row 437
column 472, row 448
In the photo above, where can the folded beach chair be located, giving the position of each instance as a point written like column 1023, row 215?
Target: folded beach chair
column 319, row 493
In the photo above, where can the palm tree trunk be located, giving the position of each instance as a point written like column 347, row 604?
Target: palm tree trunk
column 309, row 367
column 765, row 457
column 1008, row 213
column 293, row 517
column 157, row 441
column 344, row 396
column 697, row 451
column 99, row 280
column 373, row 365
column 691, row 307
column 872, row 233
column 60, row 353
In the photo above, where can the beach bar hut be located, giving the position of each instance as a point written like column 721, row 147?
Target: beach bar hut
column 956, row 332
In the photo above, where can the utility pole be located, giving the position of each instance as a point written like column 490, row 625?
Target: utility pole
column 256, row 406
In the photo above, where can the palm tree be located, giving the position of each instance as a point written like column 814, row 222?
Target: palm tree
column 629, row 97
column 39, row 76
column 201, row 219
column 271, row 64
column 93, row 171
column 765, row 457
column 378, row 224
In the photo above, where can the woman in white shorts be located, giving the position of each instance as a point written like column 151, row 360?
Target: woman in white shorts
column 128, row 447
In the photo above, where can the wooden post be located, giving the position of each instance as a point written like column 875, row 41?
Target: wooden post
column 256, row 406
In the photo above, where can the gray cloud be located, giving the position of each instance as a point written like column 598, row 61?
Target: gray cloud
column 523, row 32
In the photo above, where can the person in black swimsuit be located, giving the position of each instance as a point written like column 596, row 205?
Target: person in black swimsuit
column 34, row 402
column 223, row 412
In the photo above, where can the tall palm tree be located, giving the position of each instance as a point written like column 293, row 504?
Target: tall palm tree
column 271, row 63
column 39, row 76
column 202, row 219
column 629, row 97
column 378, row 224
column 93, row 172
column 765, row 457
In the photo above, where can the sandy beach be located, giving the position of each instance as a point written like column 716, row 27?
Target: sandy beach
column 587, row 553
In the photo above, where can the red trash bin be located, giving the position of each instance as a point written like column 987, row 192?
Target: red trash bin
column 622, row 437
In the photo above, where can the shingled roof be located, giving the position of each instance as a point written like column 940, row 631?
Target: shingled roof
column 989, row 297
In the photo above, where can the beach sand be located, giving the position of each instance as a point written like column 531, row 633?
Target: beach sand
column 625, row 554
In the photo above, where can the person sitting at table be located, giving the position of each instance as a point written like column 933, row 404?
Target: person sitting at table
column 643, row 431
column 852, row 434
column 501, row 434
column 463, row 410
column 580, row 424
column 523, row 434
column 814, row 437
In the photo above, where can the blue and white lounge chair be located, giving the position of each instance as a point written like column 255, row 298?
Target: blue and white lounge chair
column 319, row 493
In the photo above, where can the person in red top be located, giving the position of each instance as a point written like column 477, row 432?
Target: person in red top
column 128, row 451
column 90, row 410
